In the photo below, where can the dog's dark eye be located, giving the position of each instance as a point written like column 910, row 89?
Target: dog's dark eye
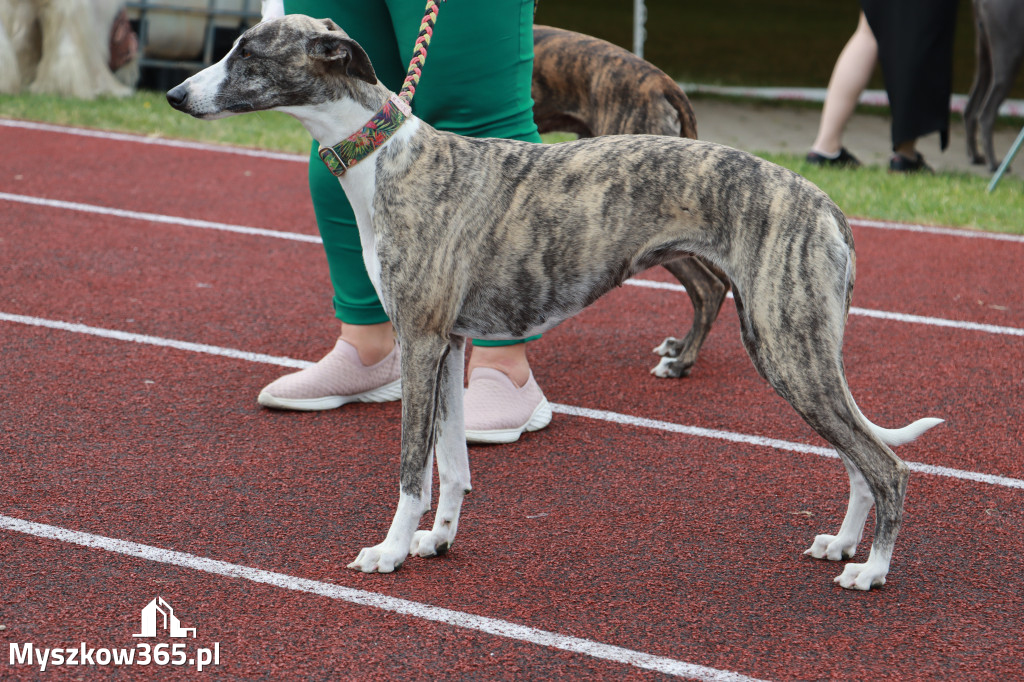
column 246, row 54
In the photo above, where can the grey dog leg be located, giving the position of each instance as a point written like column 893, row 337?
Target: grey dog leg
column 431, row 416
column 452, row 459
column 886, row 477
column 872, row 466
column 979, row 91
column 793, row 333
column 843, row 545
column 706, row 286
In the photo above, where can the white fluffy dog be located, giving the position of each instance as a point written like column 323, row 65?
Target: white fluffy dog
column 60, row 47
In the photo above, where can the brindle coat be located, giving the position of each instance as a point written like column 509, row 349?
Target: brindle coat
column 498, row 239
column 591, row 87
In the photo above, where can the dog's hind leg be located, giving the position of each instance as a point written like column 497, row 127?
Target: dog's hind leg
column 979, row 87
column 706, row 286
column 431, row 414
column 1002, row 81
column 816, row 387
column 844, row 544
column 1001, row 23
column 794, row 336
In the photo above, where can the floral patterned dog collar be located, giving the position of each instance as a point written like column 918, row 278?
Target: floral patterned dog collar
column 367, row 139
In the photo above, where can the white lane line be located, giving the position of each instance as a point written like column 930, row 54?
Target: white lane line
column 937, row 322
column 599, row 415
column 761, row 441
column 867, row 312
column 155, row 341
column 158, row 218
column 405, row 607
column 312, row 239
column 932, row 229
column 282, row 156
column 150, row 140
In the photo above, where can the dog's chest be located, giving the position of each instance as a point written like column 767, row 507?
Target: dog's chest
column 359, row 184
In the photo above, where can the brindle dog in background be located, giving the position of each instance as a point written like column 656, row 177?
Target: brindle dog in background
column 591, row 87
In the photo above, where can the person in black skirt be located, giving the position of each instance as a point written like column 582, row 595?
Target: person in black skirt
column 914, row 43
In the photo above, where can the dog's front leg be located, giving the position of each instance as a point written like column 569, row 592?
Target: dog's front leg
column 452, row 459
column 427, row 400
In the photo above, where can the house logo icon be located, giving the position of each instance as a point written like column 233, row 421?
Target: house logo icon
column 167, row 620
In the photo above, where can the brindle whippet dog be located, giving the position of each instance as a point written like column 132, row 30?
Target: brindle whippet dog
column 502, row 239
column 591, row 87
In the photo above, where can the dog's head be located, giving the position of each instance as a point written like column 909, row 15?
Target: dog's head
column 291, row 62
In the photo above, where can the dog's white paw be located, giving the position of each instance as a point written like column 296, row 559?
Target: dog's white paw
column 661, row 369
column 669, row 347
column 862, row 576
column 382, row 558
column 832, row 548
column 427, row 543
column 670, row 368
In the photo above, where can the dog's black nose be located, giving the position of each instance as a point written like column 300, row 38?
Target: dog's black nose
column 177, row 96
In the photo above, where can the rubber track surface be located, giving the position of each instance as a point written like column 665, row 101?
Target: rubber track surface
column 672, row 545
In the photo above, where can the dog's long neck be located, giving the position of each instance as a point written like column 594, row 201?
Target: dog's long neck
column 331, row 122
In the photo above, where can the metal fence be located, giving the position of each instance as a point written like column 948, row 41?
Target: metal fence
column 249, row 14
column 218, row 20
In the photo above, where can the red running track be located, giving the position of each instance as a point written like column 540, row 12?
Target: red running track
column 133, row 469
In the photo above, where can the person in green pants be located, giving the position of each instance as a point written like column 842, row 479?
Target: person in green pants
column 476, row 82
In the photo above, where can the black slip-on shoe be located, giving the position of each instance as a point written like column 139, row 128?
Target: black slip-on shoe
column 844, row 160
column 902, row 164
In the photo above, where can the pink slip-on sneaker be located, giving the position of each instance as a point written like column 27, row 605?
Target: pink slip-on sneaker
column 498, row 411
column 339, row 378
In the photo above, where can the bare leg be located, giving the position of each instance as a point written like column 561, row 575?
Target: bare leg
column 373, row 341
column 907, row 149
column 849, row 78
column 509, row 360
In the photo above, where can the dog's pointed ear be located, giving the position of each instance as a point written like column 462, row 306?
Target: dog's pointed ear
column 330, row 25
column 336, row 48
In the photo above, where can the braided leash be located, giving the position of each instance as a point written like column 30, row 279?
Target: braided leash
column 391, row 116
column 419, row 53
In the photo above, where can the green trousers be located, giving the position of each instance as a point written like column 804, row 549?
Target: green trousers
column 475, row 82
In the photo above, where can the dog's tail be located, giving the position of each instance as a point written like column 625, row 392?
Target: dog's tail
column 896, row 437
column 678, row 100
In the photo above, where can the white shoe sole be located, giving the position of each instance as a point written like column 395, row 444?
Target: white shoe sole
column 383, row 394
column 540, row 418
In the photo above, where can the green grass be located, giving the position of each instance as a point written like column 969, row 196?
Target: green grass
column 148, row 113
column 948, row 199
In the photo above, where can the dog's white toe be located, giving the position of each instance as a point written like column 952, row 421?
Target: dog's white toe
column 662, row 368
column 862, row 576
column 426, row 543
column 832, row 548
column 669, row 347
column 379, row 559
column 671, row 368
